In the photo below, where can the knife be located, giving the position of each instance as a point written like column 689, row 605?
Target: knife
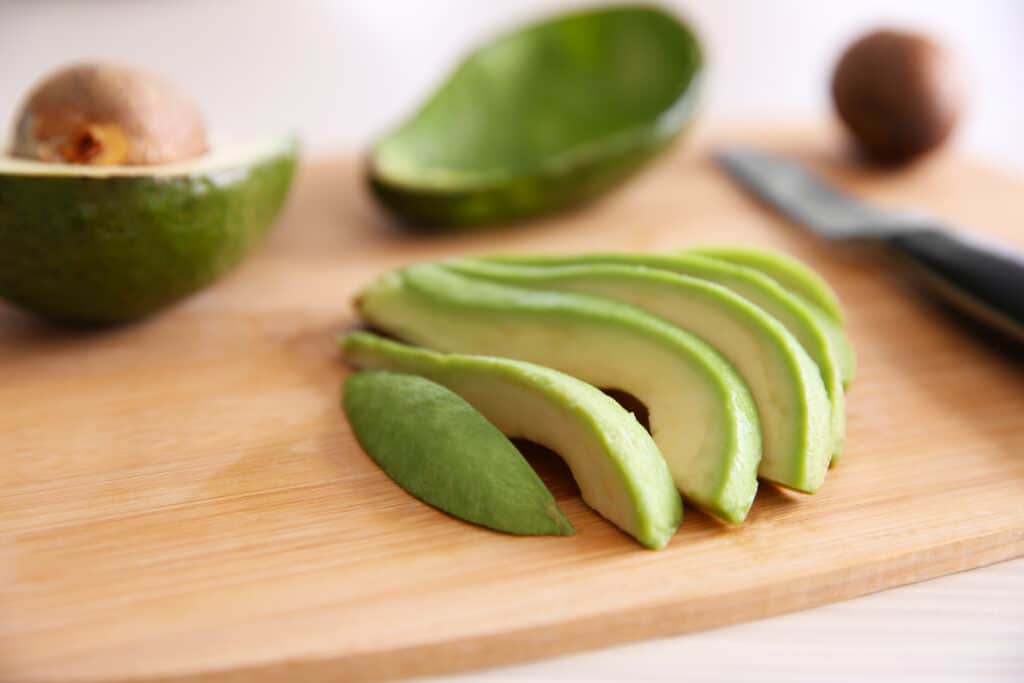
column 981, row 277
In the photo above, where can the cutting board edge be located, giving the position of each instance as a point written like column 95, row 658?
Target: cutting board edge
column 625, row 626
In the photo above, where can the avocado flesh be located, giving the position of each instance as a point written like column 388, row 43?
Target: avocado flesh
column 438, row 448
column 112, row 244
column 789, row 272
column 760, row 290
column 619, row 469
column 792, row 404
column 541, row 119
column 803, row 283
column 702, row 416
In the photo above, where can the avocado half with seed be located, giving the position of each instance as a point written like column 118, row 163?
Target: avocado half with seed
column 541, row 119
column 107, row 244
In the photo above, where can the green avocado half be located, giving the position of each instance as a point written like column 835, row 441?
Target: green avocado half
column 109, row 244
column 541, row 119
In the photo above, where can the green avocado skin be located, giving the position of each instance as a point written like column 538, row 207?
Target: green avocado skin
column 114, row 249
column 619, row 469
column 429, row 210
column 437, row 447
column 542, row 119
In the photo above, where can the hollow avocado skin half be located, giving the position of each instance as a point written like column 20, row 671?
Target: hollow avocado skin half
column 110, row 249
column 541, row 119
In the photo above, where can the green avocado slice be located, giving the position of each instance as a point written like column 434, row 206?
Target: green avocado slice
column 107, row 244
column 619, row 469
column 803, row 283
column 760, row 290
column 541, row 119
column 789, row 272
column 702, row 416
column 437, row 447
column 792, row 404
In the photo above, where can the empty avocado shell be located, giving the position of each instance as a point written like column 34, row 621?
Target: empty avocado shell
column 108, row 115
column 541, row 119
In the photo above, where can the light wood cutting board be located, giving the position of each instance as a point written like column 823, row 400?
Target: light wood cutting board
column 182, row 499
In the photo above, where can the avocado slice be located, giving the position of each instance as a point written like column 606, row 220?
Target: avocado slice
column 803, row 283
column 437, row 447
column 760, row 290
column 792, row 404
column 619, row 469
column 107, row 244
column 702, row 416
column 789, row 272
column 541, row 119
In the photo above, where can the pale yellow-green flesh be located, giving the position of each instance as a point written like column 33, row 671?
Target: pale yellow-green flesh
column 615, row 462
column 701, row 413
column 760, row 290
column 792, row 403
column 802, row 282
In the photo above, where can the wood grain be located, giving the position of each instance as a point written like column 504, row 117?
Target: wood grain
column 182, row 499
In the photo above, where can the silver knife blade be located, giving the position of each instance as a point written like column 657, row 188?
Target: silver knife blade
column 804, row 198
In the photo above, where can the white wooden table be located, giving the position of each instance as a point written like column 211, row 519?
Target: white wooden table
column 965, row 628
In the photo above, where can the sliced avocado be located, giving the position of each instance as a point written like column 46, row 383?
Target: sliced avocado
column 437, row 447
column 760, row 290
column 542, row 118
column 803, row 283
column 792, row 404
column 789, row 272
column 104, row 244
column 702, row 416
column 619, row 469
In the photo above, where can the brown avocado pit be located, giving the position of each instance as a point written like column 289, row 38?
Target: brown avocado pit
column 108, row 115
column 899, row 94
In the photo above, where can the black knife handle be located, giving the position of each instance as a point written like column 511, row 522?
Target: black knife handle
column 984, row 280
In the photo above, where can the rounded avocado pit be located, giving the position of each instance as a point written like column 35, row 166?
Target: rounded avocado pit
column 108, row 115
column 900, row 95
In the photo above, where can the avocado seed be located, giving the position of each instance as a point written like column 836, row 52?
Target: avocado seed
column 106, row 115
column 899, row 94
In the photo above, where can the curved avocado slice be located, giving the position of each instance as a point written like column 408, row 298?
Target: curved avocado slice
column 104, row 244
column 760, row 290
column 792, row 404
column 702, row 416
column 437, row 447
column 789, row 272
column 619, row 469
column 541, row 119
column 802, row 282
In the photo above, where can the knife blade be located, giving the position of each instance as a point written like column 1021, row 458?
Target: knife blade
column 981, row 277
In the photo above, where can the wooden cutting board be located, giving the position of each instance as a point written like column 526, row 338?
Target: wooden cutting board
column 182, row 500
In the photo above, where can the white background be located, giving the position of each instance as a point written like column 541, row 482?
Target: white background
column 342, row 72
